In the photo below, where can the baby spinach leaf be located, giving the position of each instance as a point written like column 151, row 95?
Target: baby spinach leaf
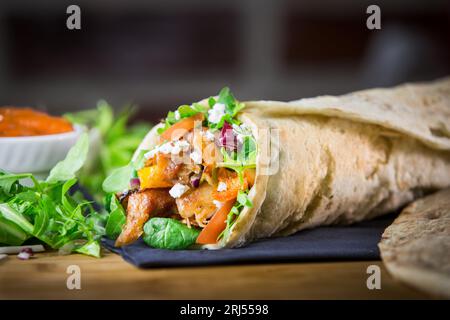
column 119, row 179
column 8, row 213
column 42, row 217
column 66, row 169
column 167, row 233
column 65, row 200
column 9, row 182
column 11, row 234
column 91, row 248
column 116, row 218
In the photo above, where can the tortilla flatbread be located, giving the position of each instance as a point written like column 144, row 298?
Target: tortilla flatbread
column 342, row 159
column 416, row 247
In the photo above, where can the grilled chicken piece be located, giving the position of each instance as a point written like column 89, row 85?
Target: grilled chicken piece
column 141, row 206
column 197, row 202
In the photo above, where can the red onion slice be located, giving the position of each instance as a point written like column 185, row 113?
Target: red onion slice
column 25, row 254
column 135, row 183
column 227, row 138
column 195, row 181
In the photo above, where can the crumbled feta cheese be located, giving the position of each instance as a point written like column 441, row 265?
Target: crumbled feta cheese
column 177, row 115
column 222, row 186
column 184, row 145
column 176, row 149
column 165, row 148
column 218, row 204
column 216, row 113
column 151, row 153
column 209, row 135
column 196, row 157
column 178, row 190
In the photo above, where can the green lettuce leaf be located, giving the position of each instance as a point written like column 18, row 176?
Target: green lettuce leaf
column 11, row 234
column 48, row 211
column 167, row 233
column 116, row 218
column 66, row 169
column 113, row 142
column 91, row 248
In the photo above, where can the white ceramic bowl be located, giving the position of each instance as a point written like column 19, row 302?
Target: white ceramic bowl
column 35, row 154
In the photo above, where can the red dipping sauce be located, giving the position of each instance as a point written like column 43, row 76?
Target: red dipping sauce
column 23, row 122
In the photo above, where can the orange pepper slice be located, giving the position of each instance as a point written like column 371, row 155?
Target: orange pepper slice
column 182, row 127
column 216, row 225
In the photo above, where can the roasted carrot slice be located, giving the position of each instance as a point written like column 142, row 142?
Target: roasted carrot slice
column 153, row 177
column 180, row 128
column 160, row 174
column 216, row 225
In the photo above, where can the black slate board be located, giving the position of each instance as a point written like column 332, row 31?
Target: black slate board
column 355, row 242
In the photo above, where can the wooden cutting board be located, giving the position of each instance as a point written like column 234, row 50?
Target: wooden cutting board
column 45, row 277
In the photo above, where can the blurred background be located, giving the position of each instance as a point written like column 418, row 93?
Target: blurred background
column 159, row 54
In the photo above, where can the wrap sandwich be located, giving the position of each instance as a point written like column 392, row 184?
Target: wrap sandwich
column 222, row 173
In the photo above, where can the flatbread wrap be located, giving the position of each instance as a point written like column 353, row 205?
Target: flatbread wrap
column 294, row 165
column 416, row 247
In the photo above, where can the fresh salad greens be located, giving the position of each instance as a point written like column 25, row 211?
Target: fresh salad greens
column 76, row 157
column 119, row 179
column 226, row 100
column 238, row 149
column 241, row 158
column 116, row 218
column 48, row 211
column 243, row 201
column 113, row 142
column 244, row 157
column 167, row 233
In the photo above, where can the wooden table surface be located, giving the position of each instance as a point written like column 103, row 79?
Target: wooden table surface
column 45, row 277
